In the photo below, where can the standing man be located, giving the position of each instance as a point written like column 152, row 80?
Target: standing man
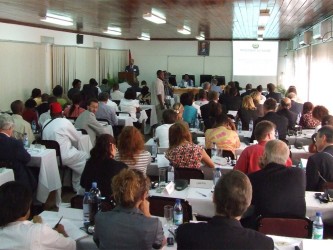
column 133, row 68
column 158, row 95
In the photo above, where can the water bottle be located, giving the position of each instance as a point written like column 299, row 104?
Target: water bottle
column 154, row 149
column 276, row 134
column 25, row 141
column 251, row 125
column 178, row 213
column 239, row 126
column 94, row 199
column 86, row 209
column 33, row 126
column 298, row 118
column 318, row 227
column 197, row 124
column 217, row 175
column 214, row 149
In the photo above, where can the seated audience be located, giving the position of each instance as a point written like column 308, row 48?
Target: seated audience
column 63, row 131
column 211, row 110
column 44, row 106
column 248, row 161
column 206, row 87
column 116, row 95
column 202, row 98
column 319, row 112
column 74, row 110
column 215, row 86
column 272, row 94
column 248, row 90
column 13, row 154
column 232, row 196
column 105, row 111
column 130, row 104
column 135, row 86
column 182, row 152
column 296, row 107
column 262, row 98
column 101, row 166
column 58, row 92
column 145, row 96
column 307, row 121
column 75, row 89
column 319, row 168
column 105, row 86
column 223, row 134
column 292, row 89
column 278, row 191
column 179, row 110
column 46, row 115
column 327, row 120
column 190, row 113
column 186, row 82
column 248, row 112
column 231, row 101
column 87, row 120
column 131, row 151
column 280, row 122
column 130, row 224
column 88, row 92
column 284, row 110
column 18, row 232
column 29, row 113
column 162, row 131
column 20, row 125
column 258, row 103
column 36, row 96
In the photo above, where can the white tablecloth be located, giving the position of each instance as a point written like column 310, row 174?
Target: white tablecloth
column 305, row 137
column 6, row 175
column 124, row 120
column 153, row 115
column 84, row 144
column 49, row 178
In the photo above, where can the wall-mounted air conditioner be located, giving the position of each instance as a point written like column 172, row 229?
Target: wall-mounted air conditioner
column 305, row 38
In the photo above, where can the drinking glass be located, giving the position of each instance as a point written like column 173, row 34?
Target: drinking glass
column 162, row 179
column 168, row 215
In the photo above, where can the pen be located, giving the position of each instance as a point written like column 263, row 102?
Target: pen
column 57, row 223
column 202, row 194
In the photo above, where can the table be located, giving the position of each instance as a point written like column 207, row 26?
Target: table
column 124, row 120
column 153, row 114
column 305, row 137
column 179, row 91
column 6, row 175
column 49, row 178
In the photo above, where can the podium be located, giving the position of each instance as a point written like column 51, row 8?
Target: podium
column 128, row 77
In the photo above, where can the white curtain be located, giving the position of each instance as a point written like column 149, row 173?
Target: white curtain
column 302, row 69
column 86, row 62
column 58, row 66
column 112, row 62
column 22, row 68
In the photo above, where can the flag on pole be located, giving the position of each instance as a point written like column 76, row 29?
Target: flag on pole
column 129, row 56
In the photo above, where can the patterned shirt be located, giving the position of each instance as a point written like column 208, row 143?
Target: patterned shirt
column 185, row 156
column 224, row 138
column 307, row 121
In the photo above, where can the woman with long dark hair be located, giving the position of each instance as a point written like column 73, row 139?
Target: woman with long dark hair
column 74, row 110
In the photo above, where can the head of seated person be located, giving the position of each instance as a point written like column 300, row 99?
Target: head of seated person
column 270, row 87
column 130, row 94
column 17, row 107
column 264, row 131
column 285, row 103
column 327, row 120
column 269, row 105
column 185, row 99
column 144, row 90
column 55, row 110
column 35, row 93
column 248, row 103
column 103, row 97
column 179, row 133
column 276, row 151
column 57, row 91
column 30, row 104
column 178, row 108
column 169, row 116
column 319, row 112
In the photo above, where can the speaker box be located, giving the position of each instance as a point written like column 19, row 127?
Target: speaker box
column 79, row 39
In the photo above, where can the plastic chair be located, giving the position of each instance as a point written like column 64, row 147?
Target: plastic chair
column 290, row 227
column 157, row 204
column 188, row 173
column 103, row 120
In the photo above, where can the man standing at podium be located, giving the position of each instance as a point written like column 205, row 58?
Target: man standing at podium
column 133, row 68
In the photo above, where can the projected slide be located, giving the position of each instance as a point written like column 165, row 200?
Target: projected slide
column 255, row 58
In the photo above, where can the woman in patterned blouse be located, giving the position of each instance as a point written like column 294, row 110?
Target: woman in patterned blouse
column 182, row 152
column 307, row 121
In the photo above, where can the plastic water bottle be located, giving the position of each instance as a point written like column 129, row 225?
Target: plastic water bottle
column 94, row 199
column 86, row 209
column 25, row 141
column 217, row 175
column 214, row 149
column 154, row 148
column 239, row 126
column 178, row 213
column 33, row 126
column 318, row 227
column 251, row 125
column 298, row 118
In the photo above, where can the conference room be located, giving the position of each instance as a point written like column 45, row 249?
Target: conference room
column 258, row 42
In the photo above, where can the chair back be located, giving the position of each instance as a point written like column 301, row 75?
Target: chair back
column 290, row 227
column 117, row 102
column 51, row 144
column 103, row 120
column 157, row 204
column 188, row 173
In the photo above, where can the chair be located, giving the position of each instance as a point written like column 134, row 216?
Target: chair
column 290, row 227
column 50, row 144
column 117, row 102
column 157, row 204
column 103, row 120
column 205, row 78
column 188, row 173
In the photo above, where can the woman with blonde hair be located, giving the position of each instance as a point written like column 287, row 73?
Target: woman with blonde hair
column 129, row 225
column 131, row 149
column 256, row 97
column 179, row 109
column 182, row 152
column 247, row 112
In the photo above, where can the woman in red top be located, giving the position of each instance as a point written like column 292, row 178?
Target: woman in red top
column 29, row 113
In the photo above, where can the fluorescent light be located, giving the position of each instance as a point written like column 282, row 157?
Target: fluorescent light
column 263, row 17
column 154, row 18
column 201, row 37
column 185, row 30
column 144, row 36
column 113, row 31
column 56, row 19
column 261, row 30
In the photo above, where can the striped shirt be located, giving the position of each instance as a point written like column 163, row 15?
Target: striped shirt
column 142, row 161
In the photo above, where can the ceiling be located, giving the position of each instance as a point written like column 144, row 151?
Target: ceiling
column 219, row 19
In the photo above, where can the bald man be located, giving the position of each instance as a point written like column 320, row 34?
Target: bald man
column 284, row 110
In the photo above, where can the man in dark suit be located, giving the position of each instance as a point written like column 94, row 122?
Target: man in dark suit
column 132, row 68
column 210, row 110
column 12, row 153
column 232, row 196
column 280, row 122
column 231, row 101
column 319, row 168
column 278, row 191
column 285, row 105
column 272, row 94
column 296, row 107
column 248, row 90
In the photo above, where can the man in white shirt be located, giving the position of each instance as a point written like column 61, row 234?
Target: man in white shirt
column 158, row 95
column 162, row 131
column 116, row 95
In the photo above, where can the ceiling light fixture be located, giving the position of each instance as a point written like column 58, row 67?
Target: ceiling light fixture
column 263, row 17
column 144, row 36
column 154, row 18
column 116, row 31
column 185, row 30
column 201, row 36
column 57, row 19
